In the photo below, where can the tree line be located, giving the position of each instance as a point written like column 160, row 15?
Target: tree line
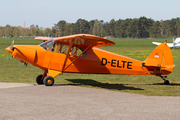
column 129, row 28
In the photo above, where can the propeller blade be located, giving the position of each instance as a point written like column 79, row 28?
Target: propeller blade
column 12, row 45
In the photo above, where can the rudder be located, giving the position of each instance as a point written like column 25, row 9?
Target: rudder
column 161, row 58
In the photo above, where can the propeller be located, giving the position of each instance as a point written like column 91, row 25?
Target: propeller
column 11, row 47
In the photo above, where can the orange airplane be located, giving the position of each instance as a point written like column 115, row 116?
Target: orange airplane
column 79, row 54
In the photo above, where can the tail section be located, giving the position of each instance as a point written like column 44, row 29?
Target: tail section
column 160, row 60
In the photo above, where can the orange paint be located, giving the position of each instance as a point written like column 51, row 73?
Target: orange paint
column 79, row 54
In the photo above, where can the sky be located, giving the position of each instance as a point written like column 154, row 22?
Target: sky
column 46, row 13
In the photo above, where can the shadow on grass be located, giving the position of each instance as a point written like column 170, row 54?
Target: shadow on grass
column 170, row 84
column 93, row 83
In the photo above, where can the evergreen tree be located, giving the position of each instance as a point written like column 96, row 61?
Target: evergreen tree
column 155, row 30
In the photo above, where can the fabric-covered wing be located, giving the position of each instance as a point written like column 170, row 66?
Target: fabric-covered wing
column 156, row 43
column 84, row 40
column 170, row 45
column 42, row 38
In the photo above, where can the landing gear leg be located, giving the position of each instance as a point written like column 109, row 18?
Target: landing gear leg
column 166, row 82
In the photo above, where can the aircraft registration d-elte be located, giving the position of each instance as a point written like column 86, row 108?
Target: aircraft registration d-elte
column 79, row 54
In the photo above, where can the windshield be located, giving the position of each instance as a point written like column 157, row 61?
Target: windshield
column 48, row 45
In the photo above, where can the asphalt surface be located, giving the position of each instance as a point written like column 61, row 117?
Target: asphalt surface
column 19, row 101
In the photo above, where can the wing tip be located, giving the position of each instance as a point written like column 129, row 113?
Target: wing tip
column 42, row 38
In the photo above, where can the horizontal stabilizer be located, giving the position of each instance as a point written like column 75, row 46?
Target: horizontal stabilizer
column 168, row 67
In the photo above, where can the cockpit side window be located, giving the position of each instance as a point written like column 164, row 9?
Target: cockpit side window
column 75, row 51
column 62, row 48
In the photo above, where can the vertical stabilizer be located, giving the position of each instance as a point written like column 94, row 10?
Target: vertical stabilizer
column 161, row 58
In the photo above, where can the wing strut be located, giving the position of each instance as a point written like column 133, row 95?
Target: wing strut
column 77, row 57
column 67, row 55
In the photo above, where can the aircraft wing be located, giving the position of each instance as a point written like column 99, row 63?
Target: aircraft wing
column 42, row 38
column 170, row 44
column 156, row 43
column 84, row 40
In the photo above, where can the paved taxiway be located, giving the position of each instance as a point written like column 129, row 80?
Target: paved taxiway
column 65, row 102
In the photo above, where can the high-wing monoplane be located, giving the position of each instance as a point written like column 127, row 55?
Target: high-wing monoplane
column 79, row 54
column 176, row 43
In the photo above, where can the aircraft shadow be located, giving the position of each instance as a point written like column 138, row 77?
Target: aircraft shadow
column 90, row 82
column 171, row 84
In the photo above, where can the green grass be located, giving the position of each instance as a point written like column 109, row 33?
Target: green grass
column 12, row 70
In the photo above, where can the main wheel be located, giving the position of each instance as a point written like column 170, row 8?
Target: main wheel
column 48, row 81
column 166, row 82
column 38, row 80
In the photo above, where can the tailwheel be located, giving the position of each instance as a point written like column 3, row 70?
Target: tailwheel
column 166, row 82
column 39, row 80
column 48, row 81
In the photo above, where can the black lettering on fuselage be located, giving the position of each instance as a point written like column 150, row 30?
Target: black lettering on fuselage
column 117, row 63
column 104, row 61
column 123, row 63
column 128, row 65
column 113, row 63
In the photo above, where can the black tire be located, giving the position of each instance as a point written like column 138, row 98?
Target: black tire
column 166, row 82
column 48, row 81
column 38, row 80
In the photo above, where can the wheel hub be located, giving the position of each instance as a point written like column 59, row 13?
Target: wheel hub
column 49, row 81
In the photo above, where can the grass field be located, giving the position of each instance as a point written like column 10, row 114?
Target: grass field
column 12, row 70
